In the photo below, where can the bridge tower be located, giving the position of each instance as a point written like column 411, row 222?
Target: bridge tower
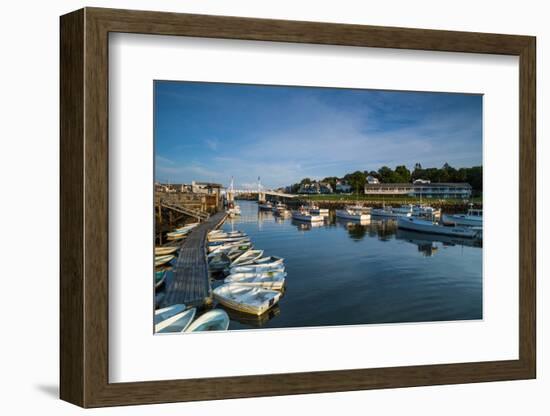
column 230, row 195
column 261, row 195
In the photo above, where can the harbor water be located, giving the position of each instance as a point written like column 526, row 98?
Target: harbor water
column 346, row 273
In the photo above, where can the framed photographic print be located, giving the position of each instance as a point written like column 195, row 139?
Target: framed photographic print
column 256, row 207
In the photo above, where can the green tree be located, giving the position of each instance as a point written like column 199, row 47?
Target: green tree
column 402, row 174
column 385, row 174
column 357, row 181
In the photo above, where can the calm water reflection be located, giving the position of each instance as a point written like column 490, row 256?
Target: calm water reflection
column 341, row 273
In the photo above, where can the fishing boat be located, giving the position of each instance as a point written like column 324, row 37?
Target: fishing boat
column 389, row 212
column 160, row 260
column 177, row 323
column 472, row 218
column 266, row 206
column 351, row 214
column 163, row 251
column 315, row 210
column 253, row 300
column 267, row 264
column 416, row 224
column 275, row 281
column 425, row 211
column 278, row 206
column 223, row 248
column 163, row 314
column 304, row 215
column 214, row 320
column 247, row 257
column 160, row 277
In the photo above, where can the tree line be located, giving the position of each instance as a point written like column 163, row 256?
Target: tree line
column 401, row 174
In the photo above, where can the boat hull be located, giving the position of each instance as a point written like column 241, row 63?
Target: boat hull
column 250, row 300
column 342, row 213
column 307, row 217
column 430, row 228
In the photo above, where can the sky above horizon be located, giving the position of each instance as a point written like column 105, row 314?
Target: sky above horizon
column 214, row 131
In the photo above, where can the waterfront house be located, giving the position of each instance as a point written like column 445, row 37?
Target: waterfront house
column 342, row 187
column 315, row 187
column 423, row 189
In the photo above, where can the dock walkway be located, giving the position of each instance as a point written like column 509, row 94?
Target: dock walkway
column 190, row 283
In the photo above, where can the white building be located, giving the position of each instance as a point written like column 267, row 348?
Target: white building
column 422, row 189
column 343, row 187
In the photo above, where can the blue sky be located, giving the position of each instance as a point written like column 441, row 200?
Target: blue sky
column 215, row 131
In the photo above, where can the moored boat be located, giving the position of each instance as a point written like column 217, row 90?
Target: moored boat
column 165, row 313
column 351, row 214
column 416, row 224
column 163, row 251
column 304, row 215
column 223, row 248
column 229, row 239
column 253, row 300
column 266, row 206
column 389, row 212
column 176, row 323
column 275, row 281
column 160, row 260
column 160, row 277
column 315, row 210
column 214, row 320
column 472, row 218
column 247, row 257
column 266, row 264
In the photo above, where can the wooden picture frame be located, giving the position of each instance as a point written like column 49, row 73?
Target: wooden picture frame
column 84, row 207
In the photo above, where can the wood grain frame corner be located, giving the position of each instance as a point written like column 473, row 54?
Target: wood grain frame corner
column 84, row 207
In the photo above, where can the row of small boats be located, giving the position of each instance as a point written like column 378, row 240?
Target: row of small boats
column 165, row 254
column 417, row 217
column 253, row 282
column 178, row 318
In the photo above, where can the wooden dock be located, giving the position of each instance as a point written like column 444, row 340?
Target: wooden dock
column 190, row 283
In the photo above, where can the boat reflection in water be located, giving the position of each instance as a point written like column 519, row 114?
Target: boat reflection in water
column 427, row 242
column 307, row 226
column 384, row 230
column 251, row 321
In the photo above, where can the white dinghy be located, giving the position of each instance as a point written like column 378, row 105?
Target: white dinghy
column 226, row 236
column 253, row 300
column 247, row 257
column 163, row 251
column 275, row 281
column 176, row 323
column 224, row 248
column 160, row 260
column 266, row 264
column 165, row 313
column 214, row 320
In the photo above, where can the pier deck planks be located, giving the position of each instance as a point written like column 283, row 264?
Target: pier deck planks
column 190, row 284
